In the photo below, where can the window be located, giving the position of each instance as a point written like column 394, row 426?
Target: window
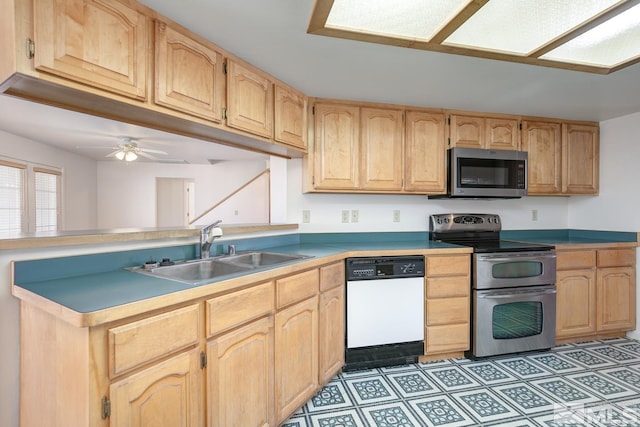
column 47, row 199
column 30, row 197
column 12, row 200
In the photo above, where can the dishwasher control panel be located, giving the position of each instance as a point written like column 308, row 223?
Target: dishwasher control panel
column 384, row 267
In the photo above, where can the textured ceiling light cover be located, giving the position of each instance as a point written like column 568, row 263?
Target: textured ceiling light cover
column 523, row 26
column 606, row 45
column 418, row 19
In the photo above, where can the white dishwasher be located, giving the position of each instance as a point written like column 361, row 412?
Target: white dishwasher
column 384, row 311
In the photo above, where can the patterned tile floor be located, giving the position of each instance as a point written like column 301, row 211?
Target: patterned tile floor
column 590, row 384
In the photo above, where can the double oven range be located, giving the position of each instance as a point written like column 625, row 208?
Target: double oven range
column 513, row 304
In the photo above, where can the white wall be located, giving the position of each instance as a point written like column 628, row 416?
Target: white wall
column 79, row 177
column 376, row 211
column 127, row 192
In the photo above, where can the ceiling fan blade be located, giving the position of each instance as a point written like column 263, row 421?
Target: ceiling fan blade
column 112, row 154
column 148, row 156
column 149, row 150
column 92, row 147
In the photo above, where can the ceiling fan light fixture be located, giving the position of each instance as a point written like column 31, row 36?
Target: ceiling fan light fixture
column 120, row 155
column 130, row 156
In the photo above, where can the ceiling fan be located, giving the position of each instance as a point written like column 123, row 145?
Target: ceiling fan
column 128, row 151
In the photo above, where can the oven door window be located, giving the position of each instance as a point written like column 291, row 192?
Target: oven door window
column 517, row 269
column 517, row 320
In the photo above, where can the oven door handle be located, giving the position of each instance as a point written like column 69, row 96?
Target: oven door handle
column 504, row 295
column 501, row 258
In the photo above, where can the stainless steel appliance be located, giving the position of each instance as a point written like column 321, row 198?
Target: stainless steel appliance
column 478, row 173
column 384, row 311
column 513, row 285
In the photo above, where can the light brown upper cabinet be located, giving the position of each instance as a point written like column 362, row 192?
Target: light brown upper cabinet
column 102, row 44
column 189, row 75
column 369, row 148
column 336, row 147
column 249, row 99
column 424, row 160
column 381, row 149
column 290, row 116
column 580, row 158
column 563, row 157
column 497, row 133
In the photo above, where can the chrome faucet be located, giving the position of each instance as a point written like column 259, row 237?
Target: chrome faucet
column 207, row 235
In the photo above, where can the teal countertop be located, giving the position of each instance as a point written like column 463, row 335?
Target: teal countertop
column 89, row 283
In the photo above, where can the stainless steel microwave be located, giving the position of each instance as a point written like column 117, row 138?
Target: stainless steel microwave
column 479, row 173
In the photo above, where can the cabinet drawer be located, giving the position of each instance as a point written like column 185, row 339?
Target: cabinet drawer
column 148, row 339
column 574, row 260
column 616, row 257
column 446, row 311
column 297, row 287
column 230, row 310
column 446, row 338
column 454, row 265
column 331, row 276
column 443, row 287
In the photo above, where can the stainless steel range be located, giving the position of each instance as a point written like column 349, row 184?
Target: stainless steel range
column 513, row 285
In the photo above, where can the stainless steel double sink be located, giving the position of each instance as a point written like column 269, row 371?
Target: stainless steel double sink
column 201, row 270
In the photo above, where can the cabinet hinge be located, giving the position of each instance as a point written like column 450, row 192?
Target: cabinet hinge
column 106, row 408
column 203, row 360
column 520, row 126
column 449, row 141
column 224, row 67
column 224, row 113
column 31, row 49
column 449, row 121
column 313, row 109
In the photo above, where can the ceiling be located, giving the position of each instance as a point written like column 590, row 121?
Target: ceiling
column 272, row 35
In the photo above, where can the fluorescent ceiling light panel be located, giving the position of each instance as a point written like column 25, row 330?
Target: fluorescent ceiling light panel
column 598, row 36
column 521, row 26
column 415, row 19
column 607, row 45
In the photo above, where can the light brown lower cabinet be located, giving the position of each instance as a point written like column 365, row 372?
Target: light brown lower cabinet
column 167, row 394
column 296, row 362
column 447, row 319
column 596, row 293
column 240, row 376
column 248, row 357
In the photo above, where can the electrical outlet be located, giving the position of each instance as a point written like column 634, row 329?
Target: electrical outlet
column 355, row 215
column 345, row 216
column 306, row 216
column 396, row 216
column 534, row 214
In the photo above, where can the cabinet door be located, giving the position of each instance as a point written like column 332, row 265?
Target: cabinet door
column 381, row 148
column 424, row 160
column 542, row 141
column 290, row 117
column 336, row 147
column 296, row 356
column 580, row 159
column 331, row 331
column 189, row 75
column 616, row 299
column 98, row 43
column 466, row 131
column 575, row 303
column 167, row 394
column 240, row 377
column 502, row 134
column 249, row 99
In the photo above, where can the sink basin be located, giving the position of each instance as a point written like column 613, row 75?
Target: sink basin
column 192, row 272
column 259, row 259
